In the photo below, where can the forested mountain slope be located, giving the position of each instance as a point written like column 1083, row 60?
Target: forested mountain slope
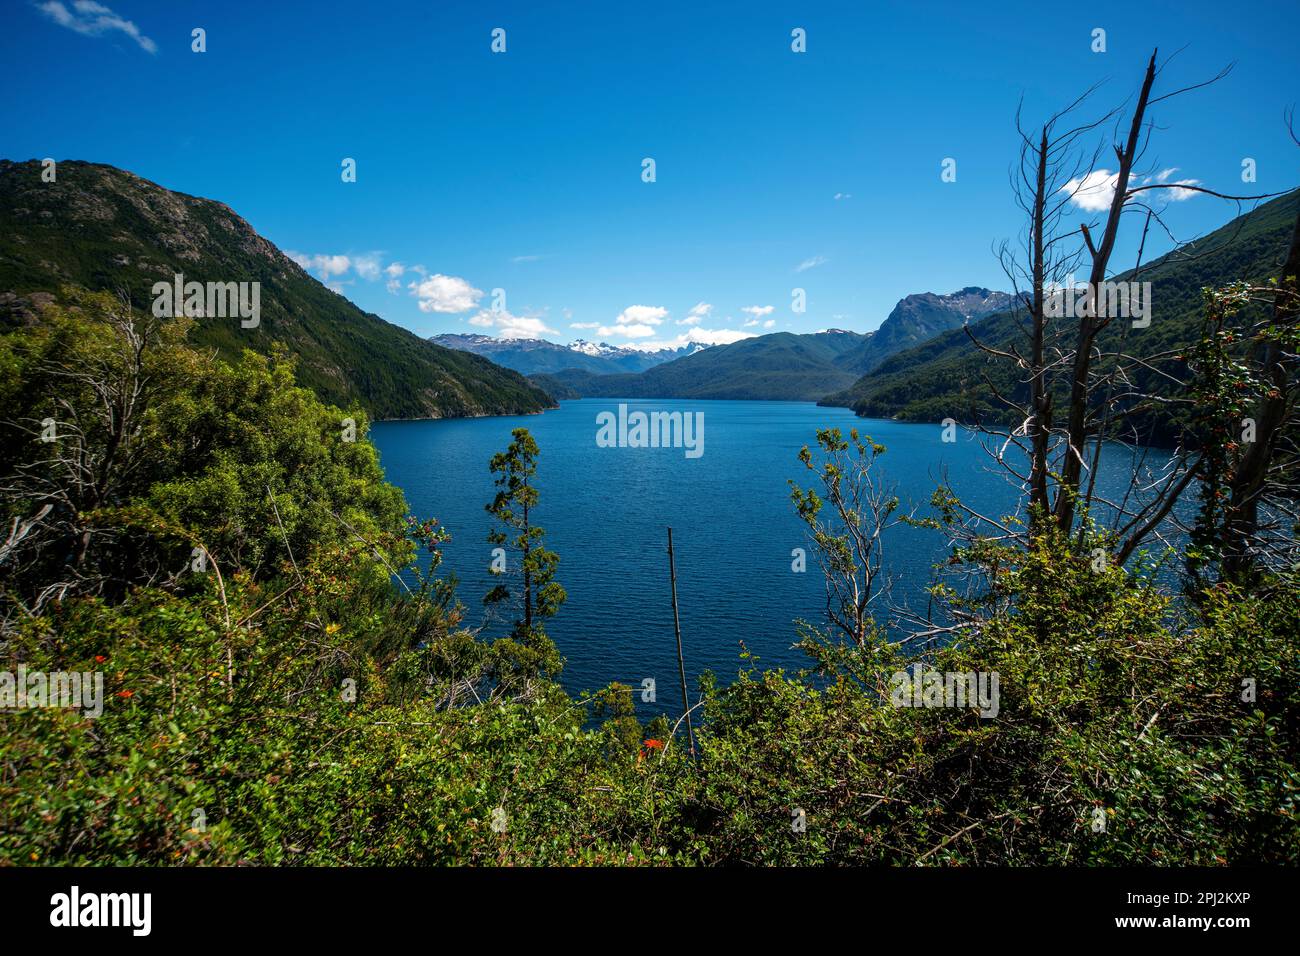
column 106, row 229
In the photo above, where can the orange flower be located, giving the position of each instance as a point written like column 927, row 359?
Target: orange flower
column 655, row 744
column 126, row 693
column 100, row 658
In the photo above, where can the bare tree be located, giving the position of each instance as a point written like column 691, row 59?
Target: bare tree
column 1102, row 387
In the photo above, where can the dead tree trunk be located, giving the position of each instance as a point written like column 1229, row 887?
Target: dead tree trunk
column 1091, row 324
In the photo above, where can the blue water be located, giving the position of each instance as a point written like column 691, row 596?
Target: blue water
column 606, row 511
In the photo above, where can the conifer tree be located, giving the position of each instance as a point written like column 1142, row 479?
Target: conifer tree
column 512, row 506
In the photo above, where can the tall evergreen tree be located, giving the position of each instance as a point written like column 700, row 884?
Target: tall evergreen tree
column 515, row 499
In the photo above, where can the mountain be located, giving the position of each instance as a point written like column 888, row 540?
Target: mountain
column 782, row 366
column 785, row 366
column 634, row 360
column 537, row 356
column 944, row 377
column 920, row 317
column 103, row 228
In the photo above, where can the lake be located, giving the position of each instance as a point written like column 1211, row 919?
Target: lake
column 606, row 511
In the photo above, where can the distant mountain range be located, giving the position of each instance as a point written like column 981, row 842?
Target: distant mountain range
column 535, row 356
column 945, row 376
column 102, row 228
column 920, row 365
column 777, row 367
column 784, row 366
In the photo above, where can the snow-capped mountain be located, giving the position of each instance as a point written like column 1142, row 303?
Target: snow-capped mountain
column 534, row 356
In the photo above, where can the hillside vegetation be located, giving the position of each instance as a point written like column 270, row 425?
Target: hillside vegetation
column 104, row 229
column 946, row 376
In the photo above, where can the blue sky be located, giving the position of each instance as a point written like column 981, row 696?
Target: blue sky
column 522, row 171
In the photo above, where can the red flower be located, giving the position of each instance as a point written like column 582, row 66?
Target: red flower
column 126, row 693
column 655, row 744
column 100, row 658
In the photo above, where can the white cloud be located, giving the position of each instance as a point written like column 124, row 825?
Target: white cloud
column 331, row 265
column 769, row 323
column 633, row 331
column 436, row 293
column 511, row 326
column 1173, row 194
column 750, row 323
column 642, row 315
column 634, row 322
column 810, row 263
column 525, row 258
column 758, row 311
column 693, row 335
column 717, row 336
column 1095, row 191
column 327, row 265
column 698, row 313
column 842, row 196
column 584, row 325
column 440, row 293
column 367, row 266
column 524, row 327
column 94, row 19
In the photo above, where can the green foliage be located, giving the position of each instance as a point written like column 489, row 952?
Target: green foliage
column 299, row 709
column 103, row 229
column 516, row 496
column 1236, row 391
column 1224, row 390
column 1106, row 713
column 161, row 449
column 849, row 542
